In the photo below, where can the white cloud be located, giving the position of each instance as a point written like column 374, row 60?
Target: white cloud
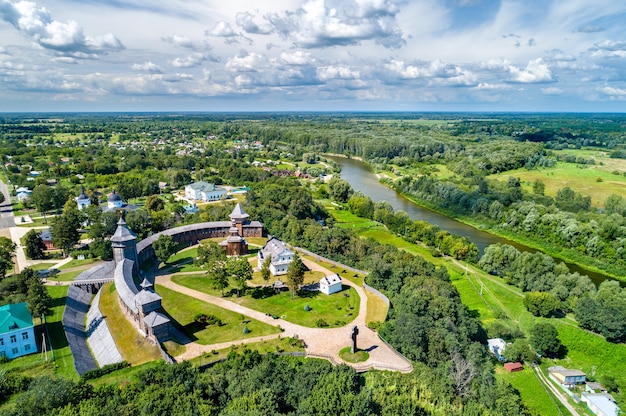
column 297, row 58
column 65, row 38
column 246, row 21
column 552, row 91
column 221, row 29
column 189, row 61
column 324, row 23
column 179, row 41
column 535, row 71
column 337, row 72
column 615, row 92
column 246, row 62
column 147, row 67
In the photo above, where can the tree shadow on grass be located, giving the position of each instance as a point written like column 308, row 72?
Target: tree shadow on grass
column 57, row 335
column 188, row 330
column 260, row 292
column 58, row 302
column 308, row 294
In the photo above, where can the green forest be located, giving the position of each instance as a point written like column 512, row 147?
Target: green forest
column 504, row 173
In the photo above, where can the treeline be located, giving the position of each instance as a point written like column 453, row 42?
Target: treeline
column 553, row 290
column 251, row 384
column 563, row 221
column 414, row 231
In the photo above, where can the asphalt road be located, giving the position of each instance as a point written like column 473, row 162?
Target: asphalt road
column 6, row 213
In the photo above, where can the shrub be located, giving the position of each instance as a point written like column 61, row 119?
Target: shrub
column 321, row 323
column 99, row 372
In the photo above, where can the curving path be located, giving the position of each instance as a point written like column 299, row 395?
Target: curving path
column 320, row 342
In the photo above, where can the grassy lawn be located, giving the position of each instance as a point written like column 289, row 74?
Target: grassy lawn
column 65, row 277
column 42, row 265
column 336, row 309
column 183, row 309
column 78, row 263
column 309, row 277
column 131, row 344
column 533, row 394
column 182, row 261
column 37, row 222
column 62, row 354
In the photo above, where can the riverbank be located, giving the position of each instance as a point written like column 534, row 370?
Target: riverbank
column 564, row 254
column 363, row 178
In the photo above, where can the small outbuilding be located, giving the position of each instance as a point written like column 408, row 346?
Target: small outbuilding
column 330, row 284
column 566, row 377
column 513, row 367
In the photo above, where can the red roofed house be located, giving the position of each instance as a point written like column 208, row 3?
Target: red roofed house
column 513, row 367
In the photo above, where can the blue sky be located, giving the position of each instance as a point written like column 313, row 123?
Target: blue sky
column 277, row 55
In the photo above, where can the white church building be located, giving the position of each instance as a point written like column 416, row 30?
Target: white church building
column 281, row 257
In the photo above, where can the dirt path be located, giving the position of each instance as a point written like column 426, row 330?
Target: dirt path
column 320, row 342
column 559, row 395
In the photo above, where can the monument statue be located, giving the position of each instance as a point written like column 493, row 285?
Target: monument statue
column 355, row 332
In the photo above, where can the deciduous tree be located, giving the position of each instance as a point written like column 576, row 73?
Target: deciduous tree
column 295, row 274
column 544, row 338
column 164, row 247
column 7, row 251
column 34, row 246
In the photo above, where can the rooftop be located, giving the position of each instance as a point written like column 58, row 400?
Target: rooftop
column 14, row 316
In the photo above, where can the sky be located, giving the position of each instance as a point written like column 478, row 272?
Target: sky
column 313, row 55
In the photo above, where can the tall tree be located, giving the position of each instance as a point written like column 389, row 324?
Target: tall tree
column 34, row 246
column 214, row 259
column 164, row 247
column 42, row 197
column 241, row 271
column 38, row 299
column 295, row 274
column 65, row 230
column 340, row 189
column 7, row 251
column 154, row 203
column 544, row 338
column 265, row 269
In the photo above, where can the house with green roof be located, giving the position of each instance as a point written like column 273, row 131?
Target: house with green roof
column 204, row 191
column 17, row 331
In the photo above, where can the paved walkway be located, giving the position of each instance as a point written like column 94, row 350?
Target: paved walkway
column 320, row 342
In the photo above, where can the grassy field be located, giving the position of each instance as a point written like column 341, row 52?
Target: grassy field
column 596, row 181
column 183, row 309
column 536, row 398
column 132, row 345
column 336, row 309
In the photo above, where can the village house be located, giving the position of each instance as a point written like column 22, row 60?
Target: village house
column 281, row 257
column 204, row 191
column 330, row 284
column 600, row 404
column 565, row 377
column 46, row 238
column 17, row 335
column 496, row 347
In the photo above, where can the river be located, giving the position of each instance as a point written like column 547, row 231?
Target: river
column 361, row 177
